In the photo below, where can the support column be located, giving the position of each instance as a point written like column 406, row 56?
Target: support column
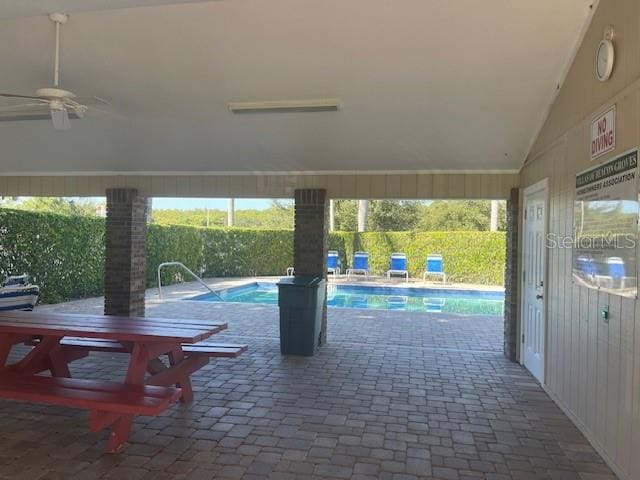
column 310, row 239
column 231, row 212
column 125, row 273
column 511, row 278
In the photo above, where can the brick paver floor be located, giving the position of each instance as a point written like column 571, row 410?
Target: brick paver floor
column 392, row 396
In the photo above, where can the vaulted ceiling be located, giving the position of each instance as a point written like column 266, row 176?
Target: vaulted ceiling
column 424, row 84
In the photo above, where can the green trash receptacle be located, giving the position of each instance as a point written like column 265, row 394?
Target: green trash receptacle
column 301, row 301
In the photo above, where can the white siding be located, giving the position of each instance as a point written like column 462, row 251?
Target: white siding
column 593, row 368
column 393, row 186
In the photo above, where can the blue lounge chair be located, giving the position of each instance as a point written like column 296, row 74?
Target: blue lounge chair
column 398, row 265
column 360, row 264
column 434, row 267
column 333, row 262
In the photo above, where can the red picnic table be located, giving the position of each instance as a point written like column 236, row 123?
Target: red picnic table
column 149, row 384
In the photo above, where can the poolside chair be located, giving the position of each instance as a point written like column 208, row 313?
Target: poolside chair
column 434, row 266
column 398, row 265
column 333, row 262
column 290, row 271
column 360, row 264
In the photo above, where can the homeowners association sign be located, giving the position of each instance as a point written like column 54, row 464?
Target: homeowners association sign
column 606, row 226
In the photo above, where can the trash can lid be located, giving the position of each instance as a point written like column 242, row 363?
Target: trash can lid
column 301, row 281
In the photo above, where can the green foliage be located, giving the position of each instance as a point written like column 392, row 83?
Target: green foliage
column 63, row 255
column 393, row 215
column 278, row 216
column 199, row 217
column 217, row 252
column 469, row 257
column 59, row 205
column 173, row 243
column 236, row 252
column 346, row 215
column 452, row 215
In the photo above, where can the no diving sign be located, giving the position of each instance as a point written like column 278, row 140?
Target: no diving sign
column 603, row 133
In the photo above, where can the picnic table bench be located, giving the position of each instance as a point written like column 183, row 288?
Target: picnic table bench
column 150, row 385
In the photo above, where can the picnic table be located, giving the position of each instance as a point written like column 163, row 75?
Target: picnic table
column 149, row 385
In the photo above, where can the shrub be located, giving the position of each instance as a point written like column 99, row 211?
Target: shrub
column 65, row 255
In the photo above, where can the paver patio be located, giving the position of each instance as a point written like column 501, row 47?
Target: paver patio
column 392, row 396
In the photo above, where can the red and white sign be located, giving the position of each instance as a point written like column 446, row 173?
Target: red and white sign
column 603, row 133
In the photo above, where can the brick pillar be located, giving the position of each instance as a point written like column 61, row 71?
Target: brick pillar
column 511, row 278
column 125, row 273
column 310, row 239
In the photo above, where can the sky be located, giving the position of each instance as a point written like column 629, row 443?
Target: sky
column 193, row 203
column 212, row 203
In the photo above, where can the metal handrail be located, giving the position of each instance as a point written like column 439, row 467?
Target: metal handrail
column 180, row 264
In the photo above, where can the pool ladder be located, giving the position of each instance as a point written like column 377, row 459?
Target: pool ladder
column 180, row 264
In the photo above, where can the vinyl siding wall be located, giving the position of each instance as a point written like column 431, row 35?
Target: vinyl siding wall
column 373, row 186
column 593, row 367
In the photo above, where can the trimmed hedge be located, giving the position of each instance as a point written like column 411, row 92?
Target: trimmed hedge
column 468, row 257
column 217, row 252
column 65, row 255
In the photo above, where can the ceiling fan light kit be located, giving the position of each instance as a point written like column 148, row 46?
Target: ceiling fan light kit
column 59, row 104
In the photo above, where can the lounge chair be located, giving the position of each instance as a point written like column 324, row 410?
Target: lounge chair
column 434, row 267
column 398, row 265
column 333, row 262
column 360, row 264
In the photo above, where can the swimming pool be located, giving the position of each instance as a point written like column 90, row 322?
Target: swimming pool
column 469, row 302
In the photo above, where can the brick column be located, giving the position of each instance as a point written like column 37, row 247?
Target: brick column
column 310, row 239
column 511, row 278
column 125, row 272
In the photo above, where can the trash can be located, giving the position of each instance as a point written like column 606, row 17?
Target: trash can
column 301, row 301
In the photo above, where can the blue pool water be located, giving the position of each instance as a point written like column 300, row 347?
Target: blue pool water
column 377, row 298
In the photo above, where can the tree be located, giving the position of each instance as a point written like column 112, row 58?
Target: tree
column 363, row 214
column 60, row 205
column 394, row 215
column 346, row 215
column 452, row 215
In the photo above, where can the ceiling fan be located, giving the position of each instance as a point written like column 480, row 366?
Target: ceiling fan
column 53, row 101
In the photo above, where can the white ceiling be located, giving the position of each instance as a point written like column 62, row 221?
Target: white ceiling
column 425, row 84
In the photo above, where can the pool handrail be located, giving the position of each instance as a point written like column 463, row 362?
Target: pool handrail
column 180, row 264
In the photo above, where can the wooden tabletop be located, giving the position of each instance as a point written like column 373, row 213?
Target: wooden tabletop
column 129, row 329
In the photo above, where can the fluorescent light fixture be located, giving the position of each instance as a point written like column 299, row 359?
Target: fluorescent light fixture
column 274, row 106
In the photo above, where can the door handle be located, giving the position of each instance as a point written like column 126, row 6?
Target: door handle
column 539, row 296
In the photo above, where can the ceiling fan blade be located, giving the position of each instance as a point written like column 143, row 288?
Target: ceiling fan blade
column 30, row 97
column 89, row 101
column 60, row 119
column 22, row 106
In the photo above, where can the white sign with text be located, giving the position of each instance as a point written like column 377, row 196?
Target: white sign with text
column 603, row 133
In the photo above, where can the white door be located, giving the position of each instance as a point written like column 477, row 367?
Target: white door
column 534, row 263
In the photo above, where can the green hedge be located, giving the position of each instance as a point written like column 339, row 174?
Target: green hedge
column 217, row 252
column 65, row 255
column 469, row 257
